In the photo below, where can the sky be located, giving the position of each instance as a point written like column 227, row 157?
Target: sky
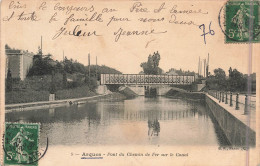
column 180, row 47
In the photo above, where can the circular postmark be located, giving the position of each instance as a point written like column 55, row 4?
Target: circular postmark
column 21, row 144
column 239, row 21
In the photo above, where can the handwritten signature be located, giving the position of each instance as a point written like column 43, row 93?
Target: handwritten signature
column 77, row 32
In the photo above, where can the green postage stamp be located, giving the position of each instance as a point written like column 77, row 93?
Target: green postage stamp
column 21, row 144
column 242, row 21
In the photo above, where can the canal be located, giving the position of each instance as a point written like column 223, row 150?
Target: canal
column 138, row 121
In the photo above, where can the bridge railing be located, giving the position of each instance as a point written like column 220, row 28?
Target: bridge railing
column 144, row 79
column 238, row 101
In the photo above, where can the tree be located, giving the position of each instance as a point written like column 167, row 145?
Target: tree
column 236, row 81
column 152, row 64
column 218, row 80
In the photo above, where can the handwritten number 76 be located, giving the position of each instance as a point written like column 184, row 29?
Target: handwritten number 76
column 211, row 32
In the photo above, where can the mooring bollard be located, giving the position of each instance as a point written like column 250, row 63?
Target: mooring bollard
column 231, row 101
column 237, row 106
column 223, row 97
column 226, row 99
column 246, row 106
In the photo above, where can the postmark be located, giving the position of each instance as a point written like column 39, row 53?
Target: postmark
column 239, row 21
column 21, row 144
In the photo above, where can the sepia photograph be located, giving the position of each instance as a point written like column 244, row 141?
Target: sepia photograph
column 129, row 82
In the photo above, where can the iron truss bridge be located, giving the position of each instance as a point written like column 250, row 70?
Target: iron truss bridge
column 142, row 79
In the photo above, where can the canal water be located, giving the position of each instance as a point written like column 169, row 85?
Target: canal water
column 139, row 121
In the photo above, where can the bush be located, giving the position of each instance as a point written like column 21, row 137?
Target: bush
column 91, row 82
column 78, row 92
column 26, row 96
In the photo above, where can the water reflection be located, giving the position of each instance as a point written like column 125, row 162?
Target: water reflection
column 154, row 127
column 137, row 121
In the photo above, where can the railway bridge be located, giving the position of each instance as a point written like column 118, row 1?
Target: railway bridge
column 149, row 85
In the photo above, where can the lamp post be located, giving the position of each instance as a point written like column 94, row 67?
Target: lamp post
column 52, row 88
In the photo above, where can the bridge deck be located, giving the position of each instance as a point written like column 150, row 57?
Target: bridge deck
column 142, row 79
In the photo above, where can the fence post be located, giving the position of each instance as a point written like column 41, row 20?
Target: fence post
column 231, row 101
column 223, row 97
column 237, row 105
column 219, row 96
column 246, row 106
column 226, row 99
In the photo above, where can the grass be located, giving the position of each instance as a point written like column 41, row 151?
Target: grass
column 27, row 96
column 78, row 92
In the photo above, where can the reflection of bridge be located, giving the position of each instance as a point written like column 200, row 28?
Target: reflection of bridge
column 142, row 79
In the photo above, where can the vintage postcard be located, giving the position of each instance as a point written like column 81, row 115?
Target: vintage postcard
column 135, row 83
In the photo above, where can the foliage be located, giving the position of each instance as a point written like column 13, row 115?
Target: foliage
column 96, row 71
column 236, row 80
column 218, row 80
column 59, row 77
column 77, row 73
column 42, row 65
column 71, row 66
column 181, row 72
column 78, row 92
column 64, row 80
column 26, row 96
column 91, row 82
column 152, row 64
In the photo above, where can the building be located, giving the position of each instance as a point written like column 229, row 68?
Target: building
column 172, row 72
column 18, row 62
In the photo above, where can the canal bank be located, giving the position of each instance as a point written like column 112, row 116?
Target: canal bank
column 239, row 129
column 59, row 103
column 176, row 93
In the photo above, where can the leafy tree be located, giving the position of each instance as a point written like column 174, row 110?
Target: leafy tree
column 236, row 80
column 218, row 80
column 152, row 64
column 100, row 70
column 42, row 65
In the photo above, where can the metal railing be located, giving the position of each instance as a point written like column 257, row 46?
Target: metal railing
column 239, row 101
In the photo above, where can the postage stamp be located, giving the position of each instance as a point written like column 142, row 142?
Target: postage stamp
column 242, row 21
column 21, row 144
